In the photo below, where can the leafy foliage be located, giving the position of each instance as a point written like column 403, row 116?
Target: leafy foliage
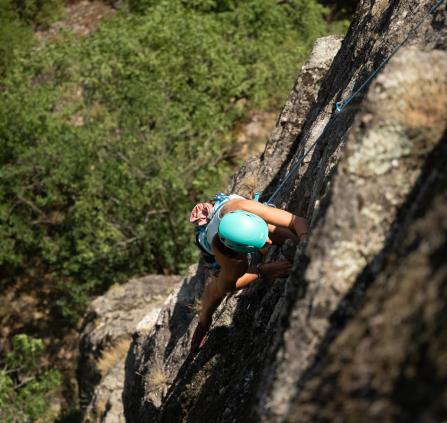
column 107, row 142
column 14, row 35
column 24, row 388
column 340, row 9
column 39, row 13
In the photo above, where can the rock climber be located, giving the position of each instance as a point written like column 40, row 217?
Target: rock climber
column 229, row 230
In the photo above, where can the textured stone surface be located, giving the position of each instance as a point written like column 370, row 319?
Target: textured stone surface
column 109, row 322
column 371, row 179
column 383, row 159
column 390, row 362
column 258, row 172
column 106, row 405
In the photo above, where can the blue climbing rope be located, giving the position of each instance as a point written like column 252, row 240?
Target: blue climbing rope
column 341, row 105
column 300, row 161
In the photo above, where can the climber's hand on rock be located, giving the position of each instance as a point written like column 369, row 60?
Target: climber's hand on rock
column 277, row 269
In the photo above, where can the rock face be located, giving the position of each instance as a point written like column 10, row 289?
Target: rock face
column 108, row 325
column 259, row 172
column 389, row 363
column 357, row 331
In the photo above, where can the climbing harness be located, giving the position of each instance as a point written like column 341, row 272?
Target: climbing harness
column 340, row 106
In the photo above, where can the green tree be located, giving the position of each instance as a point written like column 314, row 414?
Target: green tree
column 38, row 13
column 14, row 35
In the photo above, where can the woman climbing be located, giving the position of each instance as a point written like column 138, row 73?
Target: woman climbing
column 230, row 230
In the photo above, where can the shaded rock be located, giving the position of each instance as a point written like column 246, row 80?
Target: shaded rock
column 250, row 133
column 106, row 404
column 109, row 322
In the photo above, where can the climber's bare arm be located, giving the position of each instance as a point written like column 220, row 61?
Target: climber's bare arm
column 271, row 215
column 277, row 269
column 278, row 235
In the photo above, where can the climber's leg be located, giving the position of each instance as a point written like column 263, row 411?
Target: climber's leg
column 232, row 266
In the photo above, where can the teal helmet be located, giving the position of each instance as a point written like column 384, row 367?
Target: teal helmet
column 243, row 231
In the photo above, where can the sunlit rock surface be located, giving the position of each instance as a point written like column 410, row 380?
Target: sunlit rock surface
column 106, row 335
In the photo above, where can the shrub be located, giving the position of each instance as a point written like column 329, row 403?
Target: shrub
column 24, row 387
column 14, row 35
column 38, row 13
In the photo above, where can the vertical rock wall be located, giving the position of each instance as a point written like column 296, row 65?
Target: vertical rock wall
column 379, row 183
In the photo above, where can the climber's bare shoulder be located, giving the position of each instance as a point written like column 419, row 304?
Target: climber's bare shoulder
column 243, row 204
